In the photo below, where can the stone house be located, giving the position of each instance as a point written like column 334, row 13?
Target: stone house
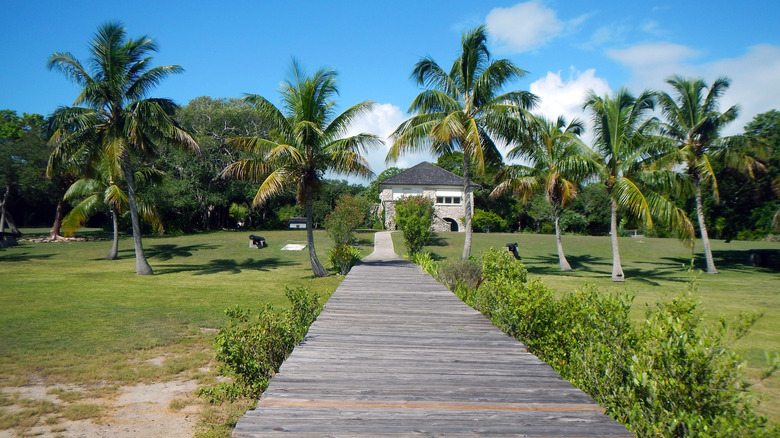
column 445, row 189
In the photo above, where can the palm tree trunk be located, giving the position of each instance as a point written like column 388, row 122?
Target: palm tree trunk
column 467, row 205
column 54, row 233
column 617, row 268
column 141, row 265
column 114, row 251
column 316, row 266
column 565, row 266
column 705, row 239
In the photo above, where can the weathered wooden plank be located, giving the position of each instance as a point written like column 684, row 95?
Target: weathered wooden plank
column 396, row 354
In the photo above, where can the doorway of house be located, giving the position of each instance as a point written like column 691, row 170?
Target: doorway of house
column 453, row 223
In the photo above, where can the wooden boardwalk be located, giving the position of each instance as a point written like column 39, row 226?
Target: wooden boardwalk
column 394, row 353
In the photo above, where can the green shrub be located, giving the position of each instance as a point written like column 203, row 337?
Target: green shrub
column 460, row 273
column 414, row 215
column 486, row 221
column 424, row 260
column 348, row 215
column 344, row 257
column 673, row 375
column 239, row 213
column 253, row 346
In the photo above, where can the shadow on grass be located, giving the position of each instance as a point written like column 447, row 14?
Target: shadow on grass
column 166, row 252
column 549, row 265
column 732, row 260
column 436, row 240
column 21, row 257
column 225, row 265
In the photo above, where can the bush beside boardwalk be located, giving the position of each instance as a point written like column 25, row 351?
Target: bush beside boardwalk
column 655, row 269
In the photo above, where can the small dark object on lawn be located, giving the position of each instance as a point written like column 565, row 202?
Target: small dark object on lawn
column 512, row 247
column 257, row 241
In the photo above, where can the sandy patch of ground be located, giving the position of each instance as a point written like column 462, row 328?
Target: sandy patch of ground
column 142, row 410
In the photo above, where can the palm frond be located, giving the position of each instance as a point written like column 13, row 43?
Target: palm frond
column 274, row 184
column 628, row 195
column 250, row 169
column 80, row 213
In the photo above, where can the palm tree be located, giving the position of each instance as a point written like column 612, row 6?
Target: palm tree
column 96, row 192
column 463, row 110
column 307, row 139
column 116, row 122
column 693, row 123
column 558, row 163
column 622, row 139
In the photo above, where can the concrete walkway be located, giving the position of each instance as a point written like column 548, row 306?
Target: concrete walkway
column 394, row 353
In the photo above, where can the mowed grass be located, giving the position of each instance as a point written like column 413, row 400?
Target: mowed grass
column 656, row 269
column 69, row 315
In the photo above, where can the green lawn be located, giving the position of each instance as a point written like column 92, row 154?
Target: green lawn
column 63, row 301
column 69, row 316
column 655, row 268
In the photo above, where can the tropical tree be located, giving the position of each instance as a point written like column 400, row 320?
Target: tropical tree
column 112, row 119
column 626, row 148
column 307, row 139
column 464, row 110
column 558, row 161
column 101, row 191
column 693, row 122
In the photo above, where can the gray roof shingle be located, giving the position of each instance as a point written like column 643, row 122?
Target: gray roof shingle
column 426, row 174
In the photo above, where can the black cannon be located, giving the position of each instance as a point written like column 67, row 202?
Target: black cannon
column 257, row 241
column 512, row 247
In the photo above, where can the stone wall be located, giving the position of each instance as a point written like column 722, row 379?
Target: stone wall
column 454, row 212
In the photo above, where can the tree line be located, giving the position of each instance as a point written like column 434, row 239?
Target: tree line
column 141, row 163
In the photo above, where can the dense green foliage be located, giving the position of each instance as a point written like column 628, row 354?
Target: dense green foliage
column 487, row 221
column 252, row 347
column 192, row 197
column 350, row 214
column 414, row 215
column 672, row 375
column 26, row 193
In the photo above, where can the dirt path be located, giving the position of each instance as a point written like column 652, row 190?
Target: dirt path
column 143, row 410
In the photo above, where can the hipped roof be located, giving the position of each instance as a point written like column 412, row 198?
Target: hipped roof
column 426, row 174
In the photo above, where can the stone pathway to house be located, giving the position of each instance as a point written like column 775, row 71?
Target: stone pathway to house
column 394, row 353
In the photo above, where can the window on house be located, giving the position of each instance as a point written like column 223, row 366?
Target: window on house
column 452, row 200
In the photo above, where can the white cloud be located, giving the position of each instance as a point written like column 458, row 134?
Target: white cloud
column 653, row 63
column 381, row 121
column 524, row 26
column 755, row 82
column 755, row 76
column 559, row 98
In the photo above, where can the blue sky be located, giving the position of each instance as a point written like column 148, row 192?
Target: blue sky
column 568, row 47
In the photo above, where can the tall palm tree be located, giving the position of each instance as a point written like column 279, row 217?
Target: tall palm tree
column 558, row 162
column 693, row 121
column 111, row 119
column 463, row 110
column 98, row 191
column 622, row 139
column 307, row 138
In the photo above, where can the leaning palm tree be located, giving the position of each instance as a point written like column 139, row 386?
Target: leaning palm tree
column 622, row 139
column 464, row 110
column 99, row 191
column 112, row 119
column 307, row 139
column 693, row 123
column 558, row 161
